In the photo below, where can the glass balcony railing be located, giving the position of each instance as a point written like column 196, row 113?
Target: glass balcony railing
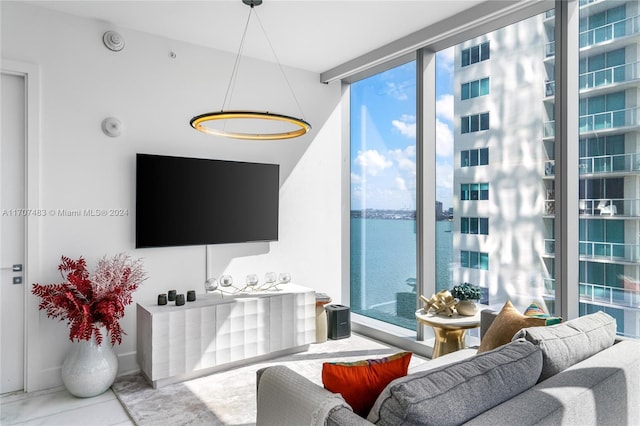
column 609, row 251
column 610, row 163
column 549, row 88
column 549, row 207
column 609, row 120
column 627, row 296
column 600, row 207
column 609, row 76
column 604, row 33
column 586, row 2
column 614, row 296
column 615, row 252
column 549, row 246
column 549, row 129
column 629, row 117
column 550, row 49
column 613, row 30
column 601, row 78
column 610, row 207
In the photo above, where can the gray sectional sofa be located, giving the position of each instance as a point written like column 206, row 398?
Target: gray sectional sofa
column 574, row 373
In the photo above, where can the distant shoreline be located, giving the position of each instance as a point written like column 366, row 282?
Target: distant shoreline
column 391, row 214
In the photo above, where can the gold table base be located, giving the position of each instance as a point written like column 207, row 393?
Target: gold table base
column 449, row 331
column 447, row 341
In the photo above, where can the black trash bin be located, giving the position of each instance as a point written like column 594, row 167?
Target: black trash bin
column 338, row 321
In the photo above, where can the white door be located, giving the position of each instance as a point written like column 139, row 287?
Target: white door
column 12, row 231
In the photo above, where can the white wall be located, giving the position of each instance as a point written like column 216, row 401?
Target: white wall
column 155, row 96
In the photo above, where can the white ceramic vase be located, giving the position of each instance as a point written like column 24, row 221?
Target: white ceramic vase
column 467, row 308
column 90, row 369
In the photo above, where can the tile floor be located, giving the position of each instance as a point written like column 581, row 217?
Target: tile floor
column 58, row 407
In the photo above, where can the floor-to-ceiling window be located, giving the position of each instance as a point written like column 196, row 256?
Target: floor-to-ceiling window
column 383, row 196
column 500, row 197
column 609, row 147
column 494, row 169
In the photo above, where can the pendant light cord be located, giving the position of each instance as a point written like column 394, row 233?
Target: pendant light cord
column 280, row 67
column 236, row 65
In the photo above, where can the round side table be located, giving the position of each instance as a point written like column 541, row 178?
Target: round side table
column 449, row 331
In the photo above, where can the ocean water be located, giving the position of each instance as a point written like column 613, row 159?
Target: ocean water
column 383, row 266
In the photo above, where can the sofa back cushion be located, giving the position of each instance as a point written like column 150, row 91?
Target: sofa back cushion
column 570, row 342
column 455, row 393
column 361, row 382
column 508, row 322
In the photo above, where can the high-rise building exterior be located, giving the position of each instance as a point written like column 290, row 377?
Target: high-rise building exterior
column 504, row 192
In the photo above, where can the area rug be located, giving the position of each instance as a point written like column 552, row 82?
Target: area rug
column 229, row 397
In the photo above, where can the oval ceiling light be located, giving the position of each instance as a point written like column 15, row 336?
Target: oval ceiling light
column 198, row 123
column 203, row 122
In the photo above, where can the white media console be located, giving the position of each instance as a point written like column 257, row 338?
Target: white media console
column 213, row 333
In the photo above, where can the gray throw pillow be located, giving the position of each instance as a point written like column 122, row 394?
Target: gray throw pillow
column 570, row 342
column 455, row 393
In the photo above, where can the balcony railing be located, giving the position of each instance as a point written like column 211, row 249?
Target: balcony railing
column 549, row 88
column 549, row 129
column 601, row 78
column 618, row 163
column 610, row 207
column 610, row 251
column 549, row 246
column 601, row 207
column 586, row 2
column 615, row 296
column 604, row 33
column 610, row 163
column 550, row 49
column 601, row 294
column 611, row 75
column 549, row 207
column 609, row 120
column 615, row 252
column 622, row 28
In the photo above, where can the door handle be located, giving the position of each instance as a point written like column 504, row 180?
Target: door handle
column 14, row 268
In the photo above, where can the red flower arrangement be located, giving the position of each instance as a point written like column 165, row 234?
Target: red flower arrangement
column 88, row 301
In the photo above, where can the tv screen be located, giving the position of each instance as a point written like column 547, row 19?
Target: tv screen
column 191, row 201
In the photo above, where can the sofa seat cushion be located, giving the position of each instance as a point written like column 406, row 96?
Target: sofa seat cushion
column 453, row 394
column 570, row 342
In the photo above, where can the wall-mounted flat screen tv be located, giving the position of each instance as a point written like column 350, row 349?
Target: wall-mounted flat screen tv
column 191, row 201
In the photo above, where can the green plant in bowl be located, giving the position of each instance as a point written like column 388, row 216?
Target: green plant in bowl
column 466, row 291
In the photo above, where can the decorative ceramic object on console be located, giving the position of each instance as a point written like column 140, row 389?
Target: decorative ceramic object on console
column 210, row 285
column 270, row 278
column 251, row 280
column 284, row 278
column 226, row 281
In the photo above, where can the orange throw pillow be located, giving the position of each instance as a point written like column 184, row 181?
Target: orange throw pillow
column 506, row 324
column 361, row 382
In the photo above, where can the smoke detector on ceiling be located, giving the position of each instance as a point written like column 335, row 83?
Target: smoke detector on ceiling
column 113, row 41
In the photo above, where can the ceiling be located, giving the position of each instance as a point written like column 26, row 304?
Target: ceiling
column 314, row 35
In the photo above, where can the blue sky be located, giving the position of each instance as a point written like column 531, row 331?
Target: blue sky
column 383, row 137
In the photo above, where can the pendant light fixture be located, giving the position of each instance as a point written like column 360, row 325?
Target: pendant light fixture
column 207, row 122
